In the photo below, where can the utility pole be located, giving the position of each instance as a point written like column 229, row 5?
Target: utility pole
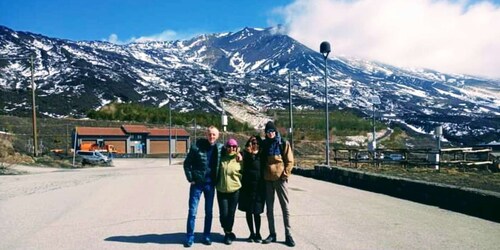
column 35, row 140
column 32, row 59
column 290, row 107
column 169, row 134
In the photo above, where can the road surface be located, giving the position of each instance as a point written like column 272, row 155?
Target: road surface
column 142, row 204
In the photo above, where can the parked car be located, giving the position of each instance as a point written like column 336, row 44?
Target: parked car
column 93, row 158
column 394, row 157
column 363, row 156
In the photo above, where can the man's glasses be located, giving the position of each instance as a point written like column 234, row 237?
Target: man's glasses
column 270, row 131
column 254, row 143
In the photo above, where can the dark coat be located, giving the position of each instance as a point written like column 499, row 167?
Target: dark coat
column 196, row 165
column 253, row 189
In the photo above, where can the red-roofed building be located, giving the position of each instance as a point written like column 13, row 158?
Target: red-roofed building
column 134, row 139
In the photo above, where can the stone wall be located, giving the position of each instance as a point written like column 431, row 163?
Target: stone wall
column 479, row 203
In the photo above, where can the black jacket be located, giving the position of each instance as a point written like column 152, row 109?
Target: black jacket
column 196, row 164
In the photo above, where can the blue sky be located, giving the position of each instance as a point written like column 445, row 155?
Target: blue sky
column 98, row 19
column 451, row 36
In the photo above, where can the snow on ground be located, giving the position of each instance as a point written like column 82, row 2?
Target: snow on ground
column 246, row 114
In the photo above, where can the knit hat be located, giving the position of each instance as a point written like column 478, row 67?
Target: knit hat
column 232, row 142
column 270, row 127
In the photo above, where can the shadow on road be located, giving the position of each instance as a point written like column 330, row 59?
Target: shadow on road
column 173, row 238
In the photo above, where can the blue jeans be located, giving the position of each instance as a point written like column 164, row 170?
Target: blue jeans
column 208, row 190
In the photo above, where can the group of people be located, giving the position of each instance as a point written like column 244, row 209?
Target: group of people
column 247, row 180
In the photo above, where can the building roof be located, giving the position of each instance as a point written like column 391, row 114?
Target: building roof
column 99, row 131
column 135, row 129
column 129, row 129
column 165, row 132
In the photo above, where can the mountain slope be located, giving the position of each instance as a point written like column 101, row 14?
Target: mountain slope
column 252, row 66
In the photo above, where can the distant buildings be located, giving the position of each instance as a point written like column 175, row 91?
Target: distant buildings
column 132, row 139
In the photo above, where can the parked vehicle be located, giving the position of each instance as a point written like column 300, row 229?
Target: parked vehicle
column 106, row 148
column 363, row 156
column 93, row 158
column 394, row 157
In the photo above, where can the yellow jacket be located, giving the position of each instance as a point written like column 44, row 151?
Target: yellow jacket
column 229, row 175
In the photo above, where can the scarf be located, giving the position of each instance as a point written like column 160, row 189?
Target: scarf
column 275, row 145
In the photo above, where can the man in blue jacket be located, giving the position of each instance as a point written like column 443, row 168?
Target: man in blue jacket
column 201, row 168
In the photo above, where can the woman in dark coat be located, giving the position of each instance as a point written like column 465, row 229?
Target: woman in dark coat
column 253, row 189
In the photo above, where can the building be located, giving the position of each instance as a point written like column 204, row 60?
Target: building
column 133, row 139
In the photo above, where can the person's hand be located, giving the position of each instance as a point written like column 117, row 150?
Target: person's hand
column 284, row 177
column 192, row 183
column 239, row 157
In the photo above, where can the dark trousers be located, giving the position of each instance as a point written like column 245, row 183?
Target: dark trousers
column 227, row 209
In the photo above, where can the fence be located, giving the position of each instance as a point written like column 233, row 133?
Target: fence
column 448, row 157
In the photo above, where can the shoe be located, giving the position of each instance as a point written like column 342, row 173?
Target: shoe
column 289, row 241
column 232, row 235
column 269, row 239
column 251, row 238
column 189, row 242
column 257, row 238
column 227, row 239
column 206, row 241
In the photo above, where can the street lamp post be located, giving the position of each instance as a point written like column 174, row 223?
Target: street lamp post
column 222, row 93
column 325, row 49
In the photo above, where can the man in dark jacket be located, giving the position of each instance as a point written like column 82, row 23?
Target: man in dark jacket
column 277, row 163
column 201, row 168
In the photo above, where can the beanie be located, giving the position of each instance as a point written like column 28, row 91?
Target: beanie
column 232, row 142
column 270, row 126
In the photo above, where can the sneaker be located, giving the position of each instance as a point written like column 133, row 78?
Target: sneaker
column 189, row 242
column 269, row 239
column 289, row 241
column 206, row 241
column 257, row 238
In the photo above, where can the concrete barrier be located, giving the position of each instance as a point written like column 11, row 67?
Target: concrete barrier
column 475, row 202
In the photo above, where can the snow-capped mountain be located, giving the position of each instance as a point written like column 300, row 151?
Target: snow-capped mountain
column 252, row 65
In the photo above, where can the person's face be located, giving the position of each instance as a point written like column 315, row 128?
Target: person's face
column 271, row 134
column 232, row 149
column 212, row 135
column 254, row 144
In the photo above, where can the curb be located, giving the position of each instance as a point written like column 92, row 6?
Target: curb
column 470, row 201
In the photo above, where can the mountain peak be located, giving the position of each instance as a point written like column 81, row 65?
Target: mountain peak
column 253, row 64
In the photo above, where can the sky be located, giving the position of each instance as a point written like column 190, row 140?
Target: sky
column 451, row 36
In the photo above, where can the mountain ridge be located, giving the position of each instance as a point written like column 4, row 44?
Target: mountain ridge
column 252, row 65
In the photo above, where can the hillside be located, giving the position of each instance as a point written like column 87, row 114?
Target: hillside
column 252, row 66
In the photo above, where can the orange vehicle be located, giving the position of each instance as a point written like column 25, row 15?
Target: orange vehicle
column 95, row 147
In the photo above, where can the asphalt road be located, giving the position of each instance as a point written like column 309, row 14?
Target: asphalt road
column 142, row 204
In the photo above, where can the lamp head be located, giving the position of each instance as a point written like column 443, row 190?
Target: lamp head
column 324, row 48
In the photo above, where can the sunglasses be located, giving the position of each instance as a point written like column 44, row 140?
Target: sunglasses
column 232, row 146
column 255, row 143
column 270, row 131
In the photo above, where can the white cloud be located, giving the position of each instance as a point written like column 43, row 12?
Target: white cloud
column 166, row 35
column 450, row 36
column 113, row 38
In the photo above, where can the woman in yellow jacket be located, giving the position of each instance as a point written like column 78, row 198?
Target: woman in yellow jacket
column 228, row 189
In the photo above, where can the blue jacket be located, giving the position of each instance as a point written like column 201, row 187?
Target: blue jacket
column 196, row 165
